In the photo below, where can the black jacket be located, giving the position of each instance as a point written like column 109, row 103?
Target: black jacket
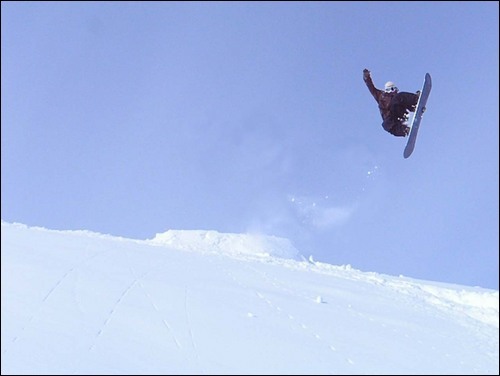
column 383, row 98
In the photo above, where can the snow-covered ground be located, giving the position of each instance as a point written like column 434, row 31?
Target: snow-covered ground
column 202, row 302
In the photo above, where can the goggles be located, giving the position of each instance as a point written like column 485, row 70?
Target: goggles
column 391, row 89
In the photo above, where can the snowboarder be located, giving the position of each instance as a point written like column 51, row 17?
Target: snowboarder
column 394, row 106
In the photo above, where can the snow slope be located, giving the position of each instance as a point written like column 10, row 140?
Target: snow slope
column 202, row 302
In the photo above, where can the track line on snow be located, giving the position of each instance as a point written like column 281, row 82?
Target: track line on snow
column 112, row 312
column 151, row 301
column 161, row 315
column 280, row 285
column 189, row 326
column 50, row 292
column 283, row 287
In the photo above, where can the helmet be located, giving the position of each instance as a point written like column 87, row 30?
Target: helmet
column 390, row 87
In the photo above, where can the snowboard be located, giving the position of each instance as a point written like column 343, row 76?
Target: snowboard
column 417, row 117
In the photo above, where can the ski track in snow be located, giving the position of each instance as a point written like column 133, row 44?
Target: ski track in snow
column 158, row 312
column 190, row 327
column 162, row 318
column 294, row 322
column 112, row 312
column 164, row 321
column 51, row 291
column 280, row 285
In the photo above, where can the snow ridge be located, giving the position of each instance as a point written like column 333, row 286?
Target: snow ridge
column 257, row 245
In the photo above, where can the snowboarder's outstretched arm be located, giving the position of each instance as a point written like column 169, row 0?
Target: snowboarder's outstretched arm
column 369, row 83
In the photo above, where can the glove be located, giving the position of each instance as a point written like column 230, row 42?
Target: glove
column 366, row 74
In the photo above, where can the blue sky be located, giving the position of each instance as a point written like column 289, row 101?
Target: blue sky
column 134, row 118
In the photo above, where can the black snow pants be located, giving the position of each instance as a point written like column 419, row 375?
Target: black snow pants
column 401, row 104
